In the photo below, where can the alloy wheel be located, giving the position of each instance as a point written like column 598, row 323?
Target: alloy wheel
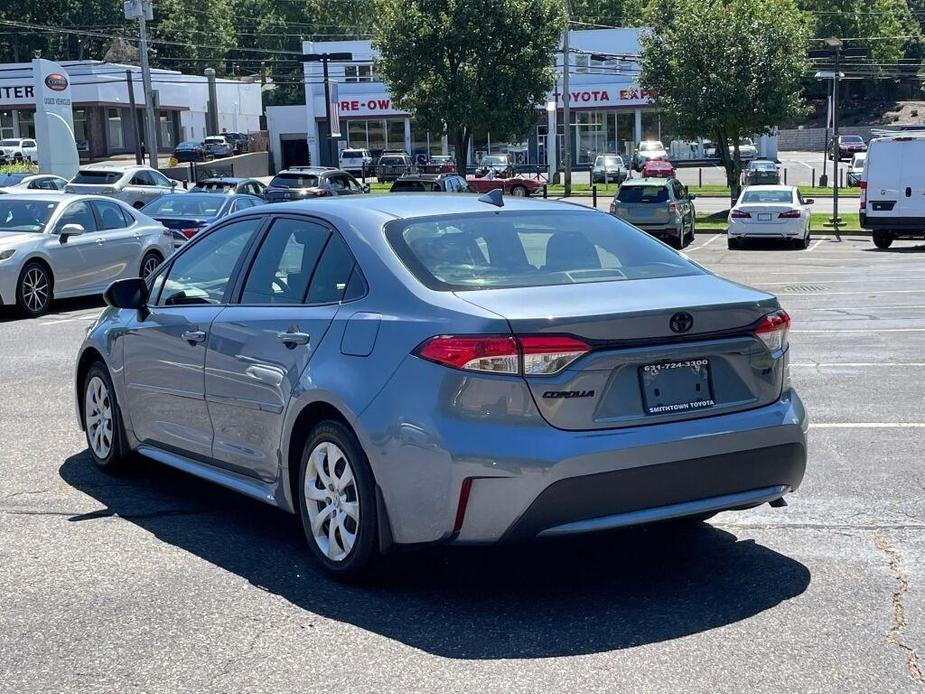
column 150, row 264
column 332, row 501
column 35, row 289
column 98, row 415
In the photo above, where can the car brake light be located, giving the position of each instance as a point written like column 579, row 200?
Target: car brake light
column 792, row 214
column 189, row 233
column 739, row 214
column 531, row 355
column 672, row 208
column 863, row 195
column 773, row 330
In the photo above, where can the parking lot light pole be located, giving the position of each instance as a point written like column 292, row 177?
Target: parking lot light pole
column 550, row 140
column 324, row 58
column 836, row 45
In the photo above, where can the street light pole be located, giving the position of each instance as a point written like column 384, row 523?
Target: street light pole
column 836, row 45
column 566, row 116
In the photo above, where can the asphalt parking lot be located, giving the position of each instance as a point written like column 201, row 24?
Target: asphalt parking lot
column 156, row 582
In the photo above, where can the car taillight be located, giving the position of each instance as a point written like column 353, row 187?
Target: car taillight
column 739, row 214
column 672, row 208
column 792, row 214
column 863, row 195
column 530, row 355
column 613, row 208
column 189, row 233
column 773, row 330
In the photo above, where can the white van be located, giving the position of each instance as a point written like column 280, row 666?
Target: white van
column 893, row 188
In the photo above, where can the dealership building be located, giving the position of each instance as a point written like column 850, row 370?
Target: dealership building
column 102, row 105
column 609, row 111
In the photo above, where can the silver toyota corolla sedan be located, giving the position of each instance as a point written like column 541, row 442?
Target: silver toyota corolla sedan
column 407, row 369
column 54, row 246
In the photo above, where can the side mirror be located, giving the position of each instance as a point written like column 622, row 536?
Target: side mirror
column 366, row 188
column 173, row 184
column 69, row 230
column 127, row 293
column 808, row 201
column 692, row 196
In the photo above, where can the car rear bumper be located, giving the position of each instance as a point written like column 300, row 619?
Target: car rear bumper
column 522, row 478
column 899, row 226
column 771, row 230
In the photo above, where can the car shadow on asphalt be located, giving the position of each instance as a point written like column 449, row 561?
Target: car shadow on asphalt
column 544, row 599
column 59, row 306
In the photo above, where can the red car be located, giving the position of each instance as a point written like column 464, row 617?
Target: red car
column 658, row 169
column 518, row 186
column 439, row 165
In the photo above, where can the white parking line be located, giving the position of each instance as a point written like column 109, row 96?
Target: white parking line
column 858, row 364
column 707, row 243
column 814, row 246
column 862, row 330
column 869, row 292
column 867, row 425
column 860, row 280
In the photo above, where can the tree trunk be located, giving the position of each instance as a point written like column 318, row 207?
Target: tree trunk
column 731, row 162
column 460, row 139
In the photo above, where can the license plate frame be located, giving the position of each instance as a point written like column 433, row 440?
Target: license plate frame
column 764, row 216
column 676, row 386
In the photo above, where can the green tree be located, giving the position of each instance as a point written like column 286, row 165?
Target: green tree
column 606, row 13
column 467, row 66
column 726, row 68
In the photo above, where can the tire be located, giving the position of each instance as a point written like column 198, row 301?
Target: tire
column 882, row 239
column 733, row 244
column 102, row 420
column 34, row 290
column 519, row 192
column 691, row 231
column 342, row 557
column 150, row 262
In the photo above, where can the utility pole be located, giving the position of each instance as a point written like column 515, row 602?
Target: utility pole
column 133, row 119
column 143, row 11
column 566, row 117
column 323, row 58
column 836, row 44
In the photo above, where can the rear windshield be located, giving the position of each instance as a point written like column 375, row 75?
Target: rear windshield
column 650, row 146
column 529, row 249
column 97, row 177
column 783, row 196
column 609, row 161
column 648, row 194
column 20, row 215
column 9, row 143
column 185, row 204
column 852, row 138
column 411, row 187
column 295, row 181
column 392, row 160
column 762, row 166
column 189, row 145
column 351, row 153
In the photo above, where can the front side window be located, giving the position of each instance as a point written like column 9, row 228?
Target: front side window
column 488, row 251
column 201, row 274
column 78, row 213
column 284, row 264
column 17, row 215
column 159, row 178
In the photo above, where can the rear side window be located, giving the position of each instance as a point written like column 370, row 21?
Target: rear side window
column 645, row 194
column 520, row 249
column 110, row 215
column 332, row 274
column 284, row 263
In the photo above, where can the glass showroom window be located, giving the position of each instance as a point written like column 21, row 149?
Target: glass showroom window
column 26, row 123
column 396, row 134
column 356, row 134
column 114, row 129
column 80, row 129
column 165, row 125
column 6, row 124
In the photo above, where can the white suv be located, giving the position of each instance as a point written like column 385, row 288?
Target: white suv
column 18, row 149
column 135, row 185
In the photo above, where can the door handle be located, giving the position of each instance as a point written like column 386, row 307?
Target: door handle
column 100, row 241
column 194, row 336
column 293, row 338
column 908, row 192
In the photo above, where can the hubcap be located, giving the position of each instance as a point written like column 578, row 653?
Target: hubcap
column 35, row 289
column 332, row 501
column 98, row 413
column 150, row 265
column 518, row 192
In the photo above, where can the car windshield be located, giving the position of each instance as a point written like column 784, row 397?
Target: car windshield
column 650, row 146
column 774, row 196
column 12, row 179
column 97, row 177
column 494, row 160
column 607, row 161
column 762, row 166
column 18, row 215
column 9, row 143
column 214, row 186
column 185, row 204
column 411, row 187
column 295, row 181
column 529, row 249
column 747, row 141
column 189, row 145
column 391, row 161
column 644, row 194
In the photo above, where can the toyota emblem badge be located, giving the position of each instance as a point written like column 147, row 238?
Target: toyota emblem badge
column 681, row 322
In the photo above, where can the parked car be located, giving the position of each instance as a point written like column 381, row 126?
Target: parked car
column 892, row 191
column 136, row 185
column 358, row 162
column 747, row 149
column 229, row 185
column 392, row 166
column 18, row 149
column 658, row 169
column 446, row 370
column 847, row 146
column 856, row 169
column 770, row 212
column 55, row 246
column 517, row 186
column 761, row 172
column 24, row 182
column 430, row 183
column 440, row 164
column 609, row 168
column 186, row 214
column 192, row 150
column 240, row 143
column 646, row 151
column 499, row 164
column 218, row 146
column 661, row 207
column 312, row 182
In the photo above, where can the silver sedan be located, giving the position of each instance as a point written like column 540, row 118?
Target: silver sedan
column 55, row 245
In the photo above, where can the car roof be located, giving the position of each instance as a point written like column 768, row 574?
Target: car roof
column 112, row 167
column 224, row 179
column 648, row 181
column 423, row 177
column 771, row 187
column 53, row 196
column 307, row 169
